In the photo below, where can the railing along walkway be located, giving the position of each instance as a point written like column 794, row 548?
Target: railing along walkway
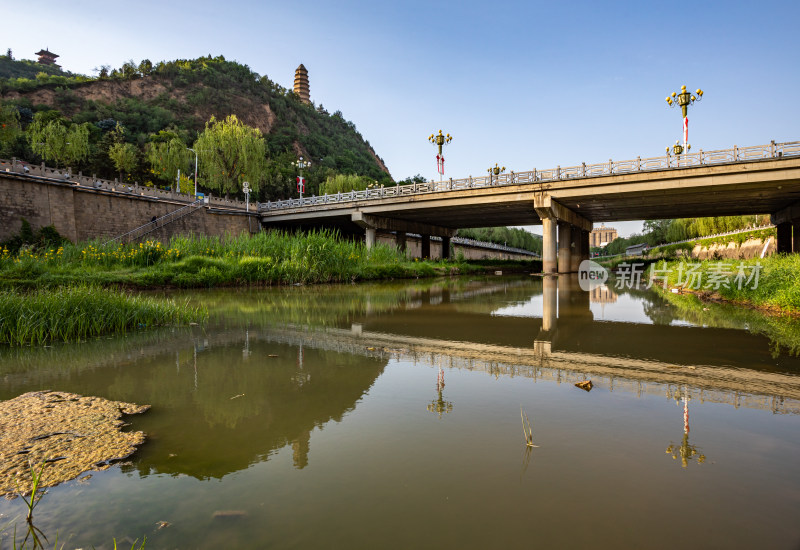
column 81, row 181
column 696, row 239
column 702, row 158
column 158, row 223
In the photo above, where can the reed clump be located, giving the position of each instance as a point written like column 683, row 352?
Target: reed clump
column 74, row 313
column 267, row 258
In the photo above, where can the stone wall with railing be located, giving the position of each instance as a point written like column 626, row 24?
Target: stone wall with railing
column 83, row 208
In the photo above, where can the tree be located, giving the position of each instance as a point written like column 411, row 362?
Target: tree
column 231, row 153
column 124, row 156
column 167, row 154
column 145, row 67
column 9, row 126
column 656, row 231
column 129, row 69
column 57, row 140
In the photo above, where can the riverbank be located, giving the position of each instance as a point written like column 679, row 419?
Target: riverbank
column 268, row 258
column 770, row 285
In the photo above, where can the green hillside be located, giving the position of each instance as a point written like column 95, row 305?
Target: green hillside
column 25, row 68
column 177, row 98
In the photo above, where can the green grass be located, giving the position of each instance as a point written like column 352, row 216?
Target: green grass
column 777, row 287
column 70, row 314
column 266, row 258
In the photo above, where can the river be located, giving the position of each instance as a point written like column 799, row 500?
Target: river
column 388, row 416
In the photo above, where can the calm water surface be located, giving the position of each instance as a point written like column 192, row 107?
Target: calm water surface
column 316, row 417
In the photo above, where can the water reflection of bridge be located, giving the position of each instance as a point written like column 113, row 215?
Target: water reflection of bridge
column 776, row 392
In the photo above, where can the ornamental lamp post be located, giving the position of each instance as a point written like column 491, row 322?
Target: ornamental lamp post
column 301, row 182
column 496, row 171
column 439, row 140
column 678, row 150
column 684, row 99
column 246, row 189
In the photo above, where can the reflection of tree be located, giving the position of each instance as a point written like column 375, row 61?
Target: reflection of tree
column 659, row 312
column 439, row 405
column 685, row 450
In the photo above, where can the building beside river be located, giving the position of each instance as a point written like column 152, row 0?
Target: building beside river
column 602, row 236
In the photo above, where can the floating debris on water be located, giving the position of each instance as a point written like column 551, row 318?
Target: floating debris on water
column 585, row 385
column 70, row 434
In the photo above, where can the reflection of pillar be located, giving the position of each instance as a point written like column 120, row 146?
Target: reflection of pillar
column 548, row 245
column 400, row 241
column 564, row 251
column 549, row 303
column 576, row 238
column 784, row 231
column 445, row 248
column 425, row 242
column 370, row 237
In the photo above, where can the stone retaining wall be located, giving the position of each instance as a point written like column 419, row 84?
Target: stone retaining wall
column 85, row 212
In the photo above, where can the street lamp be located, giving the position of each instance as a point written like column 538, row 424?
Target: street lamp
column 301, row 182
column 496, row 171
column 684, row 99
column 246, row 189
column 440, row 140
column 195, row 171
column 678, row 150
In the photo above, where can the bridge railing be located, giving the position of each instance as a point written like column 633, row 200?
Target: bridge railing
column 689, row 160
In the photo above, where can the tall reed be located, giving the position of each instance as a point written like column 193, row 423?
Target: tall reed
column 75, row 313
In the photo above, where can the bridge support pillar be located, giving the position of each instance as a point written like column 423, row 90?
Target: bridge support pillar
column 784, row 231
column 585, row 249
column 425, row 242
column 400, row 241
column 564, row 247
column 369, row 237
column 548, row 245
column 577, row 251
column 445, row 248
column 796, row 236
column 569, row 222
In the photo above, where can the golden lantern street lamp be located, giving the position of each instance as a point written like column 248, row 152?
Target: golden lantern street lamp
column 678, row 150
column 496, row 171
column 684, row 99
column 440, row 140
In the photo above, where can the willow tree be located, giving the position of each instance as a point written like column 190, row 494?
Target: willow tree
column 231, row 153
column 168, row 155
column 58, row 140
column 124, row 156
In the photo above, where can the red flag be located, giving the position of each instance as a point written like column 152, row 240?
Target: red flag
column 685, row 130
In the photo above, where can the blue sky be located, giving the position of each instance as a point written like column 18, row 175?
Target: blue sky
column 524, row 84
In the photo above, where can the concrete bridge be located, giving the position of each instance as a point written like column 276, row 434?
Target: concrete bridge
column 567, row 201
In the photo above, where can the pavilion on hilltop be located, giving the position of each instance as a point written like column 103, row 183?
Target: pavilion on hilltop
column 47, row 57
